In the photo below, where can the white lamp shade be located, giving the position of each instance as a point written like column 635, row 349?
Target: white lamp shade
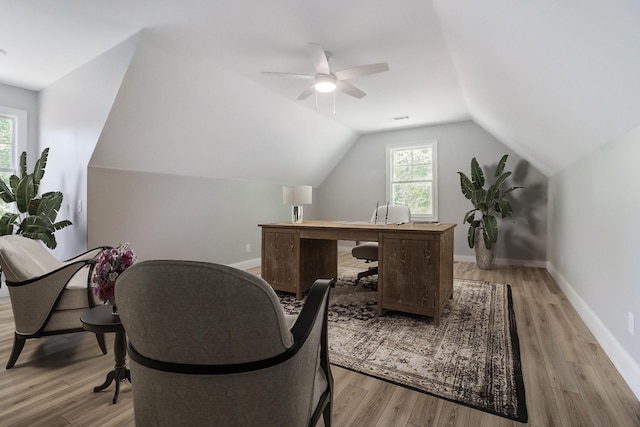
column 297, row 194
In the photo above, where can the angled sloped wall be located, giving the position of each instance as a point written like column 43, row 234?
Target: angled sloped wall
column 553, row 80
column 215, row 144
column 73, row 111
column 182, row 113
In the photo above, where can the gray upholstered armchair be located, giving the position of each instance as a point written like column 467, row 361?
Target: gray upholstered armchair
column 47, row 295
column 210, row 345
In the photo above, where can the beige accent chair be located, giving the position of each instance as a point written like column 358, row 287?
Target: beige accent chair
column 210, row 345
column 47, row 295
column 368, row 251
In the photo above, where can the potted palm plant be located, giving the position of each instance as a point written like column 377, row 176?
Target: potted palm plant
column 487, row 204
column 34, row 217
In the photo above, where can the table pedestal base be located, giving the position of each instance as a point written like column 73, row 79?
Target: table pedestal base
column 120, row 372
column 117, row 375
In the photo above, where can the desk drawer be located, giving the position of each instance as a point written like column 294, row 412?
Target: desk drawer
column 337, row 234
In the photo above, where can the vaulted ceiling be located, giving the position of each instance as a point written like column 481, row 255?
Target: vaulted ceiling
column 552, row 80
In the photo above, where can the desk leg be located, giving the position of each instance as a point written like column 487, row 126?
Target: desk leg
column 120, row 371
column 318, row 260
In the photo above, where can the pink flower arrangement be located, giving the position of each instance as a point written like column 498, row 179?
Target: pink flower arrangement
column 111, row 263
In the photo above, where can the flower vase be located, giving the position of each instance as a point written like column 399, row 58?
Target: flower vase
column 114, row 308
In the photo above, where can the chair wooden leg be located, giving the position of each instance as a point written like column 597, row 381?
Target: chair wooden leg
column 18, row 345
column 326, row 414
column 101, row 342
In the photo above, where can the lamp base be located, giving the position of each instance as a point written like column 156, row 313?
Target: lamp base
column 296, row 214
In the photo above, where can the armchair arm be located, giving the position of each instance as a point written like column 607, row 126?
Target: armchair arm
column 88, row 256
column 91, row 253
column 33, row 300
column 310, row 311
column 318, row 295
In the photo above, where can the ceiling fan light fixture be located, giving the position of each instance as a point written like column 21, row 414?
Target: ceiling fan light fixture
column 326, row 81
column 325, row 84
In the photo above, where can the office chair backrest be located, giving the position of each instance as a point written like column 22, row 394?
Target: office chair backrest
column 392, row 214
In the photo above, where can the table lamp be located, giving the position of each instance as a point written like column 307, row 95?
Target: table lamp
column 296, row 196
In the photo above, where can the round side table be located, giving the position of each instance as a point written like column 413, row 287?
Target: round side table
column 101, row 319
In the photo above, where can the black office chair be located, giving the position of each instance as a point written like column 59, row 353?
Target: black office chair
column 368, row 251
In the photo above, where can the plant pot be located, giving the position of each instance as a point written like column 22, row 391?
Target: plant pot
column 484, row 257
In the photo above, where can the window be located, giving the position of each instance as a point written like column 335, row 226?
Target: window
column 12, row 143
column 412, row 178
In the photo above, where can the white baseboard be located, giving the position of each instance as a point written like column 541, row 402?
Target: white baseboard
column 245, row 265
column 622, row 360
column 504, row 261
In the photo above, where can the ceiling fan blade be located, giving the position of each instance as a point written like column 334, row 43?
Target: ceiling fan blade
column 307, row 92
column 350, row 89
column 363, row 70
column 319, row 59
column 296, row 76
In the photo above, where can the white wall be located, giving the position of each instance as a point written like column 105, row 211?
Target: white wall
column 184, row 114
column 167, row 216
column 554, row 80
column 25, row 100
column 594, row 246
column 180, row 173
column 73, row 111
column 352, row 189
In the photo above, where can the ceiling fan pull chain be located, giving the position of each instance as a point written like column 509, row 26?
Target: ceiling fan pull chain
column 334, row 102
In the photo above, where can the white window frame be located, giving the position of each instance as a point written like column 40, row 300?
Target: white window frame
column 20, row 144
column 19, row 136
column 433, row 144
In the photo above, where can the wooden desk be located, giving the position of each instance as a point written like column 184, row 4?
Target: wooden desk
column 415, row 261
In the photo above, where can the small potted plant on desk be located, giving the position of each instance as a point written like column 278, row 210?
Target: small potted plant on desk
column 487, row 204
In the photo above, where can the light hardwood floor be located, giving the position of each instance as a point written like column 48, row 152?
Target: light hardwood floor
column 569, row 381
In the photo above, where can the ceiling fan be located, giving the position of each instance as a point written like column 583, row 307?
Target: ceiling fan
column 326, row 81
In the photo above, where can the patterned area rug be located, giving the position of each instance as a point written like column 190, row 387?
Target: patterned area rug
column 472, row 358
